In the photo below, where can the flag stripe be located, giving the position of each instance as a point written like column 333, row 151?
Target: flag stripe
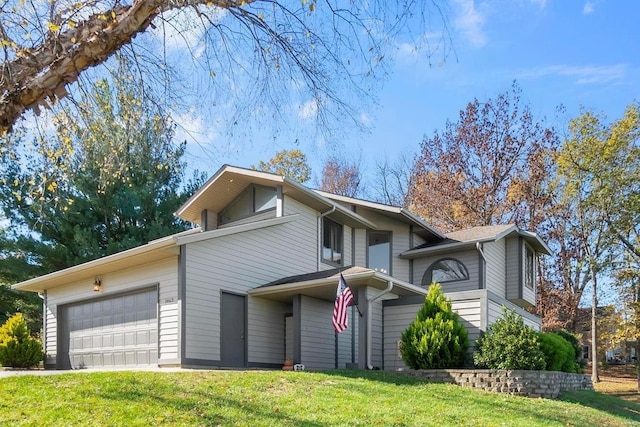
column 344, row 297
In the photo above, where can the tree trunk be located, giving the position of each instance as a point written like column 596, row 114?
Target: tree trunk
column 595, row 378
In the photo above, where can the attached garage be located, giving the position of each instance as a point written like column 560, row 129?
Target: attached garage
column 115, row 331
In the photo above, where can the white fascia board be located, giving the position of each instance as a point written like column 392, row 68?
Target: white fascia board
column 163, row 243
column 417, row 253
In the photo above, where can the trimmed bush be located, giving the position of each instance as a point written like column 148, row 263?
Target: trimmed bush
column 509, row 344
column 18, row 349
column 579, row 362
column 436, row 338
column 558, row 352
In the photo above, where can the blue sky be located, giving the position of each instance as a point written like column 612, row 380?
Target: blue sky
column 574, row 53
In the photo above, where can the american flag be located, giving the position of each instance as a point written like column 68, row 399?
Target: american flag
column 343, row 299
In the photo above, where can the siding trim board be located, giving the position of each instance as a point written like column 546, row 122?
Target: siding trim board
column 297, row 328
column 520, row 266
column 182, row 294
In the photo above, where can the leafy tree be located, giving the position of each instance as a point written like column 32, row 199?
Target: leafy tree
column 109, row 180
column 436, row 338
column 289, row 163
column 263, row 49
column 18, row 349
column 490, row 167
column 509, row 344
column 341, row 176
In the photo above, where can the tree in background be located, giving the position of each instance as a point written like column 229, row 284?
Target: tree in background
column 393, row 180
column 341, row 176
column 290, row 163
column 490, row 167
column 259, row 47
column 108, row 180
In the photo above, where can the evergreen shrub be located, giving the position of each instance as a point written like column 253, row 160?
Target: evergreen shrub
column 18, row 349
column 436, row 339
column 509, row 344
column 578, row 361
column 558, row 352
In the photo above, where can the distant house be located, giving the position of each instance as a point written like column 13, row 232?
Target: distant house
column 255, row 282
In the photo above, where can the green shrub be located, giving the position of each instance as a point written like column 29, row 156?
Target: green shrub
column 578, row 361
column 509, row 344
column 18, row 349
column 436, row 338
column 558, row 352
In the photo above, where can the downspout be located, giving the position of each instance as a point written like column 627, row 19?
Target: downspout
column 322, row 215
column 370, row 300
column 479, row 248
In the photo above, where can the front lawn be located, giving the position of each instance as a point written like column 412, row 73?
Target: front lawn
column 275, row 398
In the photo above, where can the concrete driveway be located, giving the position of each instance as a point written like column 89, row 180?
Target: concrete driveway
column 5, row 373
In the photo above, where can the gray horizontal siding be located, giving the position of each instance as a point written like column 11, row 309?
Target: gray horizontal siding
column 237, row 263
column 469, row 258
column 317, row 348
column 164, row 273
column 496, row 267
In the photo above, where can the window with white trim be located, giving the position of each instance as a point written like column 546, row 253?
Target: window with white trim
column 331, row 242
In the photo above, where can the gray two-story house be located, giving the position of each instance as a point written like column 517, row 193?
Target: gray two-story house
column 255, row 282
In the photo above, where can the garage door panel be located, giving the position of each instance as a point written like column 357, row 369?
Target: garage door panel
column 100, row 336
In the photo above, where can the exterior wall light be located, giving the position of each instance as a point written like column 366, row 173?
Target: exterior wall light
column 97, row 285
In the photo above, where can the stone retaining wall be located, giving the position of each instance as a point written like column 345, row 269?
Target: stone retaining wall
column 546, row 384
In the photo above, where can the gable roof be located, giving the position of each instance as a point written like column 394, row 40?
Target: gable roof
column 398, row 213
column 229, row 181
column 469, row 238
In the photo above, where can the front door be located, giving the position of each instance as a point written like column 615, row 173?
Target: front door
column 233, row 324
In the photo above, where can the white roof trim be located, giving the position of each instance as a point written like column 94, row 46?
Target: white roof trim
column 276, row 289
column 382, row 207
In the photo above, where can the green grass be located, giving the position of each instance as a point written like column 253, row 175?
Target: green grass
column 286, row 398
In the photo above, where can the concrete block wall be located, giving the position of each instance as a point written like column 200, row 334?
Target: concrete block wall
column 545, row 384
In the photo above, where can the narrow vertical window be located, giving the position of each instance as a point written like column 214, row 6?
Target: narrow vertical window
column 331, row 241
column 379, row 251
column 529, row 268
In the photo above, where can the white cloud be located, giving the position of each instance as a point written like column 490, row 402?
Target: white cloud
column 183, row 30
column 540, row 3
column 309, row 109
column 588, row 8
column 192, row 127
column 469, row 21
column 365, row 119
column 589, row 74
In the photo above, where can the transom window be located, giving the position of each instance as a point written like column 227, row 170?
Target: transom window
column 379, row 251
column 445, row 270
column 331, row 241
column 254, row 199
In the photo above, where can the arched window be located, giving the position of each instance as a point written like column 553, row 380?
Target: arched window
column 445, row 270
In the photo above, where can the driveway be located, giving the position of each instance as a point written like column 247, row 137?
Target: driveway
column 5, row 373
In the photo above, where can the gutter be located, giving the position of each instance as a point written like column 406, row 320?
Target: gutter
column 479, row 248
column 370, row 300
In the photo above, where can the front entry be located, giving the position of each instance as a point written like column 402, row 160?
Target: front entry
column 233, row 324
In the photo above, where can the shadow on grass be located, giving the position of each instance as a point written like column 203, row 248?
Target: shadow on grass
column 609, row 404
column 602, row 402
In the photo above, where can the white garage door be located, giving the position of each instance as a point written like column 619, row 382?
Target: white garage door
column 111, row 332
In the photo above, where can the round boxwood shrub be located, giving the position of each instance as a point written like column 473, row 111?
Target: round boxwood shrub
column 509, row 344
column 558, row 352
column 18, row 349
column 436, row 338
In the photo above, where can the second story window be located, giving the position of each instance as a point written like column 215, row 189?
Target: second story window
column 254, row 199
column 529, row 268
column 379, row 251
column 331, row 242
column 445, row 270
